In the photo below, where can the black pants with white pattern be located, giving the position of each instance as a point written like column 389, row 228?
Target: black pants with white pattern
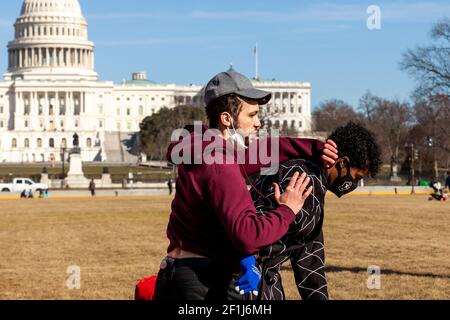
column 308, row 265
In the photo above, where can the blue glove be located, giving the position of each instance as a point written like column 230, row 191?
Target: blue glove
column 251, row 277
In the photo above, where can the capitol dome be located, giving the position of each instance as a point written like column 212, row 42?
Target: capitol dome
column 51, row 42
column 58, row 7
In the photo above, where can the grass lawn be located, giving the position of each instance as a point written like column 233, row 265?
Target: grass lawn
column 117, row 241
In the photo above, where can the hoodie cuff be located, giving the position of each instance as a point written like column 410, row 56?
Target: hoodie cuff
column 287, row 213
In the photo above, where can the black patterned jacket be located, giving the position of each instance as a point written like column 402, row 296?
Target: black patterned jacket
column 303, row 244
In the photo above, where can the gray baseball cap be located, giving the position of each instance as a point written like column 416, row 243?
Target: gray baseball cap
column 233, row 82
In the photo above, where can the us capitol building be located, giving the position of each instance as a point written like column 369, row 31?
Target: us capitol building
column 51, row 91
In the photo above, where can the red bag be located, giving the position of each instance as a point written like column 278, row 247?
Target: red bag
column 145, row 289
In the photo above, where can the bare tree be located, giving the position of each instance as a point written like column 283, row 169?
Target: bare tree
column 333, row 113
column 367, row 105
column 432, row 130
column 391, row 121
column 430, row 65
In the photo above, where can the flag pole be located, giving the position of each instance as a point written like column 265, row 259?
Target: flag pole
column 256, row 62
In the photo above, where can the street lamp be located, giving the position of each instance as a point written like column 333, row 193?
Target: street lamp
column 430, row 144
column 412, row 156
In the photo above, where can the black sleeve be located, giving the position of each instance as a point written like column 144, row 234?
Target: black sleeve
column 308, row 264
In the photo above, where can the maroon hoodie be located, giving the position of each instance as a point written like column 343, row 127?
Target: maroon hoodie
column 213, row 213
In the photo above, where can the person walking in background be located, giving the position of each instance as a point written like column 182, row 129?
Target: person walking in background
column 169, row 184
column 92, row 187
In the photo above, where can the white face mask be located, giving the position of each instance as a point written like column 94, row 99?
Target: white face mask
column 237, row 137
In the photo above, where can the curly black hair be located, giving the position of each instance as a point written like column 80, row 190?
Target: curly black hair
column 359, row 145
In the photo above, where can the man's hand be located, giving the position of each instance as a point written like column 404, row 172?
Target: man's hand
column 330, row 154
column 296, row 192
column 251, row 277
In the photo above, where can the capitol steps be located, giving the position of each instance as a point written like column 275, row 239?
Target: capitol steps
column 116, row 147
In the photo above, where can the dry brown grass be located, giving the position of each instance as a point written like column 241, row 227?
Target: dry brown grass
column 118, row 241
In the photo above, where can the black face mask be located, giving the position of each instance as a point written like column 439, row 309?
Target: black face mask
column 343, row 184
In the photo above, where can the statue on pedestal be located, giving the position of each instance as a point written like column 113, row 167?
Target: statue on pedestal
column 76, row 144
column 76, row 141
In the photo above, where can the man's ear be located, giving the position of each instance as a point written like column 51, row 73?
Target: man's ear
column 225, row 119
column 342, row 162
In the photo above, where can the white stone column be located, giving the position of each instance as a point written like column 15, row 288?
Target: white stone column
column 36, row 57
column 41, row 52
column 287, row 103
column 53, row 64
column 47, row 57
column 280, row 102
column 56, row 106
column 92, row 60
column 66, row 60
column 46, row 106
column 290, row 103
column 19, row 107
column 33, row 105
column 33, row 57
column 69, row 104
column 76, row 58
column 60, row 57
column 20, row 58
column 26, row 58
column 64, row 104
column 83, row 102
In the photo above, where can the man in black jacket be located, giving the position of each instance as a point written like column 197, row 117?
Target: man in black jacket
column 303, row 244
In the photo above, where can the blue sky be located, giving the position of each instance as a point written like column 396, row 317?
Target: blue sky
column 188, row 41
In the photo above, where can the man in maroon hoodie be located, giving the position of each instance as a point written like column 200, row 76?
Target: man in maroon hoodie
column 213, row 223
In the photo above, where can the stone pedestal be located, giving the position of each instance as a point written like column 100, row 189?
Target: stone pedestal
column 75, row 177
column 394, row 177
column 106, row 180
column 130, row 180
column 45, row 179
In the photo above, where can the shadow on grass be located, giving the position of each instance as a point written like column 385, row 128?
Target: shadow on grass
column 383, row 272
